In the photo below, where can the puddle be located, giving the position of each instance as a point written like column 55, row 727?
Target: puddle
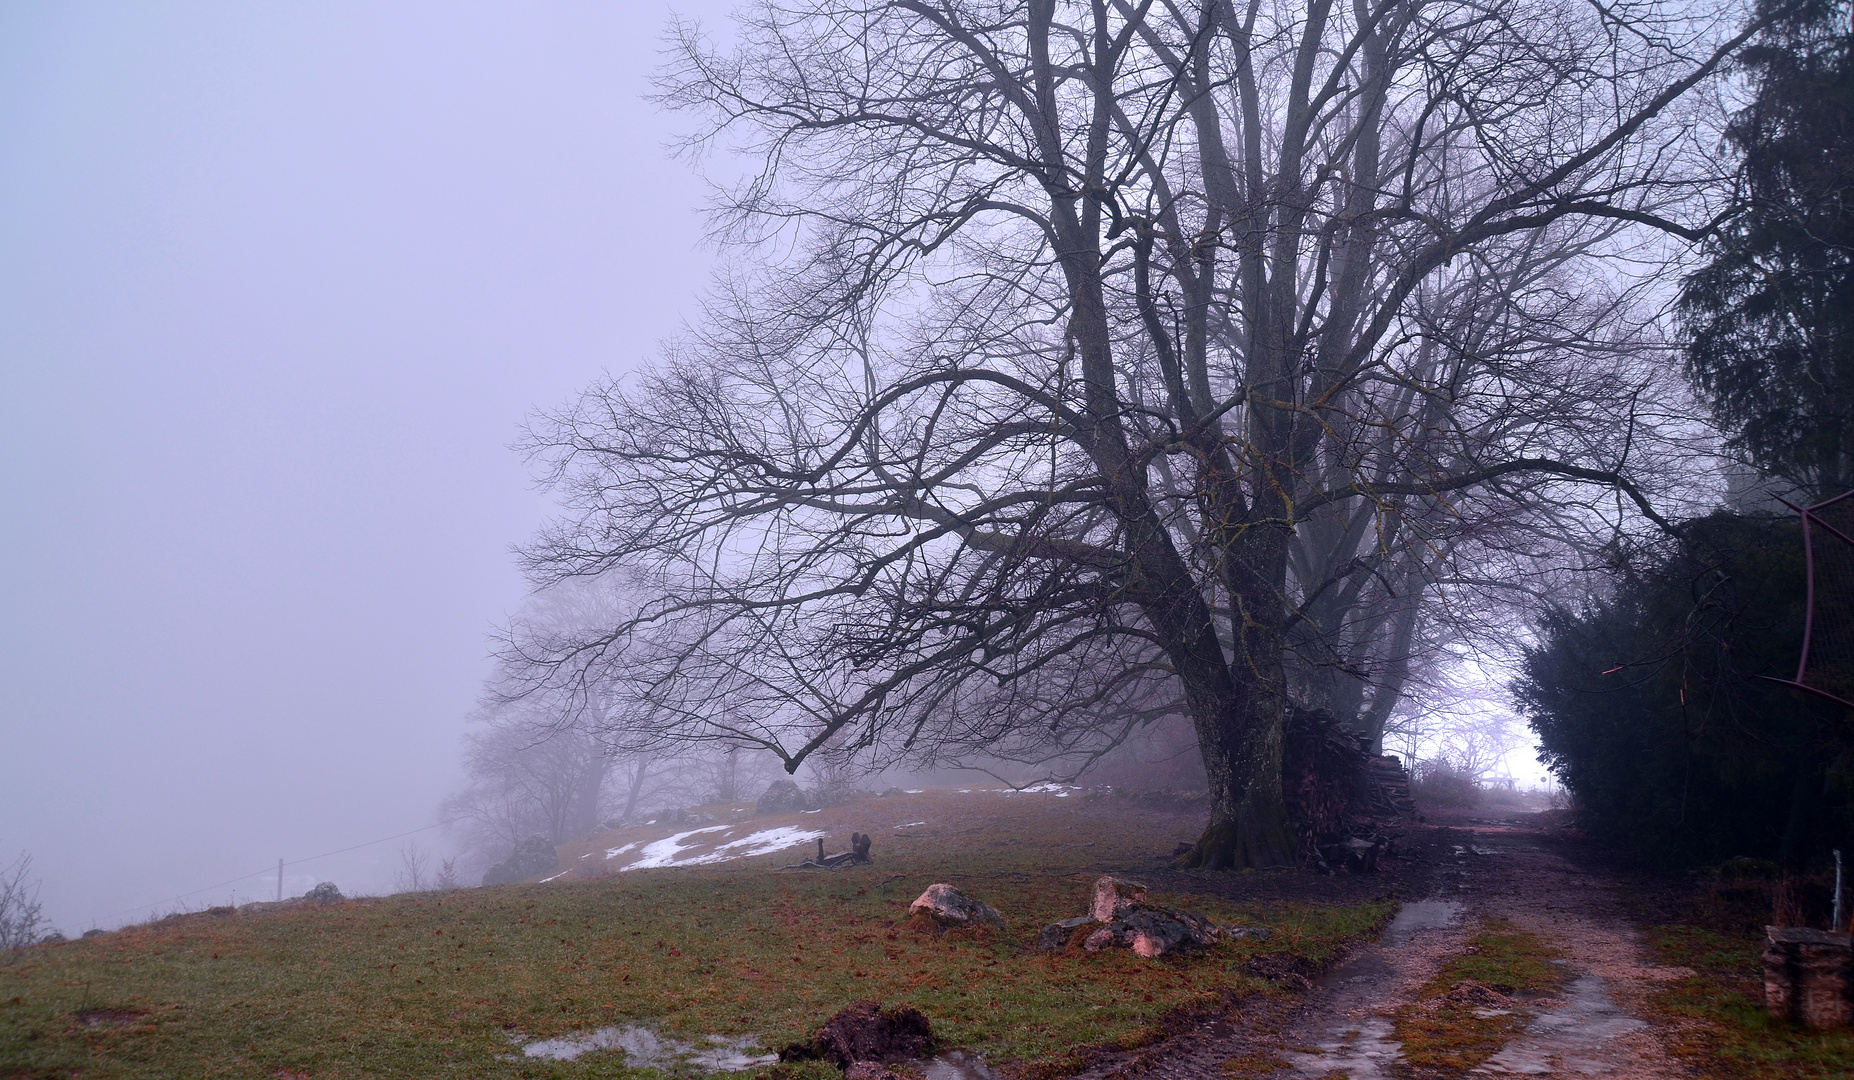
column 1571, row 1039
column 1420, row 915
column 1363, row 1048
column 1362, row 1053
column 955, row 1065
column 645, row 1049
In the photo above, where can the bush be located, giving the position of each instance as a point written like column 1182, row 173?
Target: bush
column 1440, row 782
column 20, row 921
column 532, row 857
column 1651, row 710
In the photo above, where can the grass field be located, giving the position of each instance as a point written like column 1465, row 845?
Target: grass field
column 451, row 984
column 1717, row 1017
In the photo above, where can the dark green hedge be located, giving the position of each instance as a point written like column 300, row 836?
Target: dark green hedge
column 1648, row 707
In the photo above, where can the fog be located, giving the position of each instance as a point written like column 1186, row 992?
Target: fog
column 278, row 284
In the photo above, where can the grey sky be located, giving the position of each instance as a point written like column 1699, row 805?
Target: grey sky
column 278, row 282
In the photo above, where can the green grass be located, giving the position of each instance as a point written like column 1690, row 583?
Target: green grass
column 1717, row 1019
column 1443, row 1036
column 439, row 984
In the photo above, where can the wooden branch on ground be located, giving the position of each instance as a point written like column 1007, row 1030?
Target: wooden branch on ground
column 858, row 854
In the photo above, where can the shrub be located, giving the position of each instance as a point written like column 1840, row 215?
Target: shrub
column 1654, row 708
column 1440, row 782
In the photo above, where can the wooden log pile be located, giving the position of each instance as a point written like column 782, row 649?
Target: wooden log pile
column 1344, row 801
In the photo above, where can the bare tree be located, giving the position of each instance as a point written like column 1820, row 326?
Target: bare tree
column 21, row 923
column 528, row 775
column 414, row 868
column 1111, row 360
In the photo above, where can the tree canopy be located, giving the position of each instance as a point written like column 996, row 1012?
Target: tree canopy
column 1770, row 319
column 1083, row 363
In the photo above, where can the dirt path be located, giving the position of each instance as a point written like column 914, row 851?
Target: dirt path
column 1494, row 871
column 1344, row 1027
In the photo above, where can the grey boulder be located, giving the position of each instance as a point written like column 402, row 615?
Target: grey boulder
column 951, row 908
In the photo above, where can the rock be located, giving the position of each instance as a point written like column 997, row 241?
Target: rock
column 1122, row 918
column 949, row 908
column 1114, row 897
column 324, row 893
column 95, row 932
column 533, row 857
column 1153, row 931
column 864, row 1033
column 870, row 1070
column 782, row 797
column 53, row 938
column 1057, row 935
column 1808, row 975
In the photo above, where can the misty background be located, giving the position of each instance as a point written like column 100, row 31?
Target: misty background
column 278, row 285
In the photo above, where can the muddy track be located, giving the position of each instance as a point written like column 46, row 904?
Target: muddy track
column 1343, row 1027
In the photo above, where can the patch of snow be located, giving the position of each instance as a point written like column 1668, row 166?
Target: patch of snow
column 556, row 877
column 760, row 843
column 819, row 810
column 663, row 852
column 1048, row 787
column 910, row 824
column 617, row 851
column 914, row 791
column 587, row 855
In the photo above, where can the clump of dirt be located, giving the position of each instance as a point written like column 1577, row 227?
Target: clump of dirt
column 1286, row 970
column 864, row 1031
column 1470, row 994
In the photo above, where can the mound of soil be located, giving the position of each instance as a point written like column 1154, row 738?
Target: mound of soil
column 865, row 1032
column 1285, row 969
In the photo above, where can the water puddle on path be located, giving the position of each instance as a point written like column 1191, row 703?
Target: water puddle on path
column 1347, row 1039
column 1576, row 1038
column 645, row 1049
column 955, row 1065
column 1419, row 915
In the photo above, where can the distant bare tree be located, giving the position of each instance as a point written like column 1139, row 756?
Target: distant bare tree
column 414, row 869
column 527, row 775
column 1110, row 360
column 21, row 923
